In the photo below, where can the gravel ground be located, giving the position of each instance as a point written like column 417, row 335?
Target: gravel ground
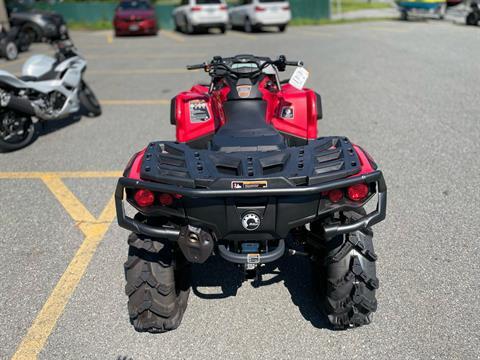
column 407, row 92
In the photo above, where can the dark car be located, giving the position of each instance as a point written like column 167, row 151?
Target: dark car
column 135, row 17
column 39, row 25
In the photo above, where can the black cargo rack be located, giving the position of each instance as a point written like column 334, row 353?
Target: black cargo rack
column 320, row 161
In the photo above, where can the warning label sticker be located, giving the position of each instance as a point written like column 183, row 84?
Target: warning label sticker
column 260, row 184
column 199, row 111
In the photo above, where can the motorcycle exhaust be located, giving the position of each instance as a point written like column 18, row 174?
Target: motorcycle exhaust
column 17, row 103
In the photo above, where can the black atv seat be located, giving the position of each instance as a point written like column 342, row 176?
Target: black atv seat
column 245, row 128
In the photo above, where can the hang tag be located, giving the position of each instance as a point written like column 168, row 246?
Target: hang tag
column 299, row 78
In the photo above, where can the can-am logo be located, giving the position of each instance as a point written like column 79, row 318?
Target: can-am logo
column 251, row 221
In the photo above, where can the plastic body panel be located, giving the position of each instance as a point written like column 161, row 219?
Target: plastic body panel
column 299, row 105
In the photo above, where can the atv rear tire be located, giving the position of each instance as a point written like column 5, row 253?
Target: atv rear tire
column 348, row 278
column 158, row 285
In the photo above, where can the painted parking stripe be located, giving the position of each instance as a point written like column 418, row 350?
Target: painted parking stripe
column 60, row 174
column 92, row 228
column 148, row 56
column 135, row 102
column 242, row 35
column 173, row 36
column 173, row 71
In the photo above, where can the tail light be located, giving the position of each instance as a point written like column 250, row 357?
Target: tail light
column 357, row 192
column 335, row 195
column 165, row 199
column 144, row 197
column 259, row 8
column 223, row 7
column 286, row 7
column 196, row 8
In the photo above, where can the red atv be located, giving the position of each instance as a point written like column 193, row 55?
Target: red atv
column 249, row 180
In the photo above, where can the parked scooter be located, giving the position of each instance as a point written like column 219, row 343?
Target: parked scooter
column 50, row 88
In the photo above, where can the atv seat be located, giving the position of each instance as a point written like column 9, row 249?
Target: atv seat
column 245, row 128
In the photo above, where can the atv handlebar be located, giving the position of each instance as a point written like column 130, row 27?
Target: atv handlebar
column 197, row 66
column 219, row 66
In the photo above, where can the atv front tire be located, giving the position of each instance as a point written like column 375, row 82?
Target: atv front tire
column 158, row 285
column 348, row 278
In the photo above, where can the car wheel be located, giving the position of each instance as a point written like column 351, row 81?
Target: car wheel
column 10, row 50
column 190, row 28
column 247, row 26
column 471, row 19
column 282, row 28
column 223, row 29
column 30, row 31
column 177, row 27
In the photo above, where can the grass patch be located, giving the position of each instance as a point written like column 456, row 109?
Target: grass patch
column 96, row 25
column 303, row 22
column 355, row 5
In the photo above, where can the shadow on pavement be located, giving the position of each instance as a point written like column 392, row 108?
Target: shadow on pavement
column 51, row 126
column 294, row 271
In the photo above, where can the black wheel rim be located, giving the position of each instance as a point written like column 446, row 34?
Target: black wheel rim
column 13, row 128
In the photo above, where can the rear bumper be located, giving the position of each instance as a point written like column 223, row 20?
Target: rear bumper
column 279, row 218
column 207, row 21
column 132, row 28
column 268, row 20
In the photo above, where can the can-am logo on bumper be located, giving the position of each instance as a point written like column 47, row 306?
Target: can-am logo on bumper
column 251, row 221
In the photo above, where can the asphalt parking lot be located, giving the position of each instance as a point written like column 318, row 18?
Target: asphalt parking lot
column 407, row 92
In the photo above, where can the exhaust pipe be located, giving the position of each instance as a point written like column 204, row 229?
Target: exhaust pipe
column 17, row 103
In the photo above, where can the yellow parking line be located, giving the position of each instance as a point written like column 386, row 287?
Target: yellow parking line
column 94, row 231
column 173, row 36
column 147, row 56
column 60, row 174
column 135, row 102
column 243, row 35
column 315, row 33
column 139, row 71
column 387, row 29
column 109, row 38
column 74, row 207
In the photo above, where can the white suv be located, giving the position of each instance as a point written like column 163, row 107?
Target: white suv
column 193, row 15
column 253, row 14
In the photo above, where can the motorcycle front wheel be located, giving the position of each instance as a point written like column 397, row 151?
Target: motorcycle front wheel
column 88, row 100
column 16, row 130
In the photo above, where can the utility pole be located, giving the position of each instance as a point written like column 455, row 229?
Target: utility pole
column 4, row 16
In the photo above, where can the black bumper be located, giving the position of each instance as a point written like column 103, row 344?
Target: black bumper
column 330, row 230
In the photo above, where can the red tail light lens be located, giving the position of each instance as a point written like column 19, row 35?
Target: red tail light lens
column 335, row 195
column 224, row 7
column 286, row 7
column 357, row 192
column 144, row 197
column 259, row 8
column 196, row 8
column 165, row 199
